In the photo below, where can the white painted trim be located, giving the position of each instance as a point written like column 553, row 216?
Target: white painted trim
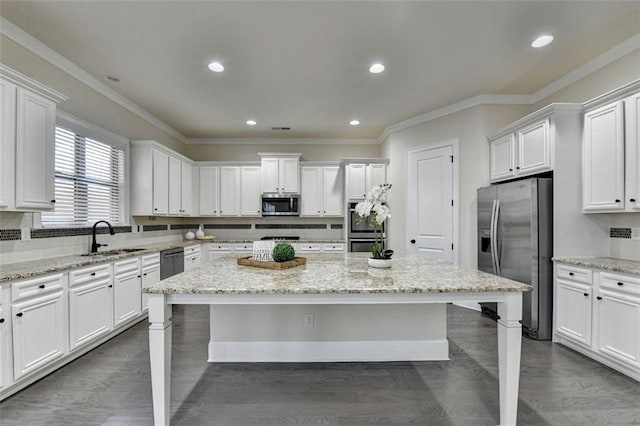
column 330, row 351
column 549, row 110
column 22, row 80
column 161, row 147
column 613, row 95
column 280, row 141
column 36, row 46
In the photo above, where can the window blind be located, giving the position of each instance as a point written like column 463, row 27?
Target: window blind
column 89, row 181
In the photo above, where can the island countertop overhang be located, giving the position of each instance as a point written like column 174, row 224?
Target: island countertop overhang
column 340, row 274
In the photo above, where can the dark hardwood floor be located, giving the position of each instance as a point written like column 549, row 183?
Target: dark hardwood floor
column 111, row 386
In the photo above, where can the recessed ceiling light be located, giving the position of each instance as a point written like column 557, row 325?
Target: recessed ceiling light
column 251, row 122
column 216, row 67
column 376, row 68
column 112, row 78
column 354, row 122
column 542, row 41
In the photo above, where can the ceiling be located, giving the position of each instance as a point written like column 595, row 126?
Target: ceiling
column 304, row 64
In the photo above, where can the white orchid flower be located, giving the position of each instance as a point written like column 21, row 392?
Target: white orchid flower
column 382, row 213
column 363, row 208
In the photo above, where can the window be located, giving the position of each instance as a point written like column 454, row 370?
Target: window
column 89, row 179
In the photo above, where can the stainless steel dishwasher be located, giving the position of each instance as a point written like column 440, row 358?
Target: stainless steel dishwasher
column 171, row 262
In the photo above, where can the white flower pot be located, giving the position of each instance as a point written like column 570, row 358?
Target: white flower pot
column 379, row 263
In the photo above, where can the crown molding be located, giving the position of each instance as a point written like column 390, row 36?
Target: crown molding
column 31, row 43
column 614, row 95
column 20, row 79
column 280, row 141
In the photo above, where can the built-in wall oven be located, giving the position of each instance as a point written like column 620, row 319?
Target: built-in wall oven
column 361, row 233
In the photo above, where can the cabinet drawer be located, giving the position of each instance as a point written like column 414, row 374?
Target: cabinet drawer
column 149, row 260
column 571, row 273
column 219, row 247
column 126, row 267
column 309, row 247
column 244, row 247
column 37, row 286
column 189, row 250
column 334, row 247
column 621, row 283
column 85, row 275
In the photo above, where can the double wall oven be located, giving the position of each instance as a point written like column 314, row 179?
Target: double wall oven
column 361, row 232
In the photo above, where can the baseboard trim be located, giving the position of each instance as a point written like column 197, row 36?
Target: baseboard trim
column 330, row 351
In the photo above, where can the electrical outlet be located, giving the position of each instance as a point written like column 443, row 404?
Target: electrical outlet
column 308, row 321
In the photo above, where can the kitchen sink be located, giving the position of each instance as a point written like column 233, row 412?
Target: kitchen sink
column 114, row 252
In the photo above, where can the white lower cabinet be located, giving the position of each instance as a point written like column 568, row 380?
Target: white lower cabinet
column 127, row 290
column 601, row 320
column 90, row 304
column 39, row 323
column 191, row 257
column 6, row 357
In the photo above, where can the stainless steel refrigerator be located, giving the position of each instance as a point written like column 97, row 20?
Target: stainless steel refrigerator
column 515, row 240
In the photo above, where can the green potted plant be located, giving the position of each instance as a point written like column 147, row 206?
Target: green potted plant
column 373, row 210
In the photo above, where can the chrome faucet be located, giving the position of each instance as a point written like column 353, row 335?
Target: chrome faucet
column 94, row 244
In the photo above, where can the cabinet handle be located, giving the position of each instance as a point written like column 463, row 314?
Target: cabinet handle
column 41, row 286
column 518, row 168
column 110, row 285
column 53, row 201
column 156, row 209
column 1, row 320
column 599, row 298
column 632, row 200
column 570, row 274
column 139, row 276
column 510, row 170
column 144, row 275
column 586, row 294
column 93, row 274
column 620, row 283
column 19, row 314
column 617, row 200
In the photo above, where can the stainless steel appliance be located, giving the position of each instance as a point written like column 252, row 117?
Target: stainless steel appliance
column 171, row 262
column 361, row 228
column 280, row 205
column 362, row 245
column 515, row 240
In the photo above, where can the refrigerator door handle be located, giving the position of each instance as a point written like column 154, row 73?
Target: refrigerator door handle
column 494, row 242
column 492, row 237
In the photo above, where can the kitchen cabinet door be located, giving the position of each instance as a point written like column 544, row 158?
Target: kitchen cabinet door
column 503, row 158
column 160, row 182
column 150, row 265
column 311, row 191
column 127, row 294
column 6, row 356
column 603, row 159
column 269, row 176
column 229, row 191
column 332, row 185
column 619, row 326
column 632, row 152
column 7, row 144
column 39, row 322
column 376, row 175
column 186, row 192
column 175, row 186
column 209, row 191
column 573, row 311
column 250, row 191
column 356, row 181
column 288, row 174
column 90, row 311
column 534, row 149
column 35, row 143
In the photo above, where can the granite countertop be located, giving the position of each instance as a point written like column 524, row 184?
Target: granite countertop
column 607, row 263
column 302, row 241
column 14, row 271
column 335, row 273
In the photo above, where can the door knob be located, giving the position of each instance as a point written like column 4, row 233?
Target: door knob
column 413, row 241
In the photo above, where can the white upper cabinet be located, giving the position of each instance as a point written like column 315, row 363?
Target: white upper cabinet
column 250, row 189
column 522, row 151
column 321, row 191
column 360, row 177
column 27, row 120
column 610, row 153
column 209, row 191
column 230, row 191
column 161, row 181
column 279, row 173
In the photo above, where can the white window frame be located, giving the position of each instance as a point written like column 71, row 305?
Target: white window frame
column 92, row 131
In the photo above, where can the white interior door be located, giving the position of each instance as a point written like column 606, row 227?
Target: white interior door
column 430, row 202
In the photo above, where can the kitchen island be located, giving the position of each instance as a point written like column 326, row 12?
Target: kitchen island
column 341, row 279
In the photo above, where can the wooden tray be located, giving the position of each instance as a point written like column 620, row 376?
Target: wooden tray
column 297, row 261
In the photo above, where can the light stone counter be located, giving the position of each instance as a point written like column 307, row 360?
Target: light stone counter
column 605, row 263
column 335, row 274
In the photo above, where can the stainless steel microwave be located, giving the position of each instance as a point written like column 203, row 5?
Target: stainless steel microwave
column 280, row 205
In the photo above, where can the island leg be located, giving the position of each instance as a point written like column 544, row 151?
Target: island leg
column 160, row 357
column 509, row 348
